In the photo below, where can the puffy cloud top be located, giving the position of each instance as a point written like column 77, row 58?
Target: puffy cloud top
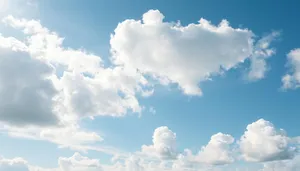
column 185, row 55
column 263, row 142
column 164, row 143
column 217, row 151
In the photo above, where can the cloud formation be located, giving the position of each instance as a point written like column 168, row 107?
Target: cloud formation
column 186, row 55
column 26, row 89
column 262, row 142
column 217, row 151
column 46, row 88
column 16, row 164
column 85, row 87
column 164, row 144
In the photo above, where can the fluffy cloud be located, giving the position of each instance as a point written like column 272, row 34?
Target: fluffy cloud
column 186, row 55
column 217, row 151
column 57, row 85
column 25, row 87
column 79, row 163
column 292, row 80
column 44, row 84
column 164, row 144
column 263, row 142
column 86, row 88
column 16, row 164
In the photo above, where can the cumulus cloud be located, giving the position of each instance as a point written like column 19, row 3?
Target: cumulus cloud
column 44, row 84
column 186, row 55
column 26, row 89
column 164, row 144
column 263, row 142
column 217, row 151
column 86, row 87
column 292, row 79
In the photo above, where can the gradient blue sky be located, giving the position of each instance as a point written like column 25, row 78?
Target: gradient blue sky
column 229, row 102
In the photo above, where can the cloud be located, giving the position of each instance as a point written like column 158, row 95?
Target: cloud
column 86, row 87
column 292, row 79
column 164, row 144
column 46, row 85
column 72, row 137
column 217, row 151
column 262, row 52
column 26, row 89
column 16, row 164
column 186, row 55
column 79, row 163
column 262, row 142
column 287, row 165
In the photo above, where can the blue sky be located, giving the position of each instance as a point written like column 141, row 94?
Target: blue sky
column 230, row 99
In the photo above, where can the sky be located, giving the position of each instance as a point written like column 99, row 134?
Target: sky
column 155, row 85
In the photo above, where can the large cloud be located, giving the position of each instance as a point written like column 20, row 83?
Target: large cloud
column 25, row 88
column 186, row 55
column 292, row 79
column 263, row 142
column 43, row 84
column 86, row 87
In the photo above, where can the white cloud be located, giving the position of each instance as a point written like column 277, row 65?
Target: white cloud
column 49, row 87
column 263, row 142
column 25, row 87
column 85, row 87
column 164, row 144
column 217, row 151
column 79, row 163
column 31, row 103
column 186, row 55
column 292, row 80
column 286, row 165
column 262, row 51
column 16, row 164
column 71, row 136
